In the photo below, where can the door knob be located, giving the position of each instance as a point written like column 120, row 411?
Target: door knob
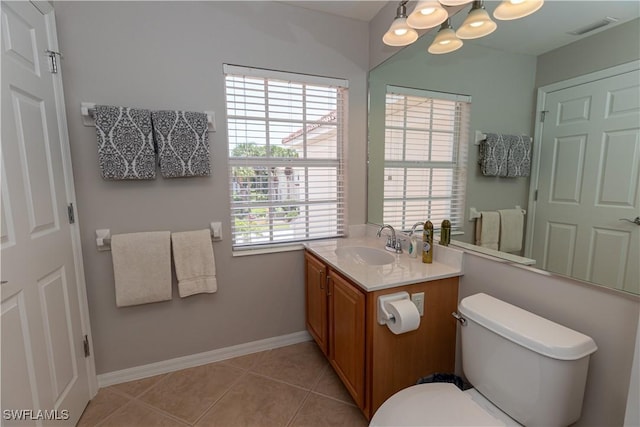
column 635, row 221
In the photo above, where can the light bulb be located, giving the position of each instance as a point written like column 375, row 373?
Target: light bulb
column 477, row 24
column 427, row 14
column 514, row 9
column 445, row 41
column 399, row 33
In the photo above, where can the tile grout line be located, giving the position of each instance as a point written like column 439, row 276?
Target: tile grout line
column 317, row 381
column 112, row 414
column 295, row 414
column 136, row 399
column 334, row 399
column 162, row 412
column 245, row 373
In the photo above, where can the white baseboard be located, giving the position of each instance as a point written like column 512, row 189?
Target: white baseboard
column 171, row 365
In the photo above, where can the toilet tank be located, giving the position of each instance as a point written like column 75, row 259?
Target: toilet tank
column 533, row 369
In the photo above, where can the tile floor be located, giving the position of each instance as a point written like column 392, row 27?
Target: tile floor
column 287, row 386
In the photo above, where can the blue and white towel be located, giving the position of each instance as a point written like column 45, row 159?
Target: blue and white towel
column 125, row 143
column 182, row 138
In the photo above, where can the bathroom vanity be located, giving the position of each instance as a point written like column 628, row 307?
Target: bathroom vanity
column 342, row 291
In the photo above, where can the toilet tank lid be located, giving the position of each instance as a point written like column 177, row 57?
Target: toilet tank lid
column 526, row 329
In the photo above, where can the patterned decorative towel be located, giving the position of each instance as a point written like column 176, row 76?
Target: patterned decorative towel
column 493, row 155
column 519, row 157
column 182, row 138
column 505, row 155
column 125, row 143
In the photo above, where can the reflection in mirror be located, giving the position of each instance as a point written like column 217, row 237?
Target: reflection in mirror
column 501, row 82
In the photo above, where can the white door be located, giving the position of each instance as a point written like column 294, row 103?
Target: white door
column 43, row 363
column 588, row 181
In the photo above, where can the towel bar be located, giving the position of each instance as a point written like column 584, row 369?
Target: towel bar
column 481, row 136
column 103, row 236
column 88, row 110
column 473, row 213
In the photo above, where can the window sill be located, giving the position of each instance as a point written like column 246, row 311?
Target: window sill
column 268, row 250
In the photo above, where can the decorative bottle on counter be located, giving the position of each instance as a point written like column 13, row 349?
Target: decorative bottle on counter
column 445, row 233
column 413, row 247
column 427, row 243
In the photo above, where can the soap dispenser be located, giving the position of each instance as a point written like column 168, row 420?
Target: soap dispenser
column 427, row 243
column 413, row 246
column 445, row 233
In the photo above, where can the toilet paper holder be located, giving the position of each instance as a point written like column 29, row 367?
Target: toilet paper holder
column 384, row 316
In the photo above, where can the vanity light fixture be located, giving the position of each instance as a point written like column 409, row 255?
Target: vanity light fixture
column 477, row 24
column 427, row 14
column 514, row 9
column 454, row 2
column 400, row 33
column 446, row 40
column 431, row 13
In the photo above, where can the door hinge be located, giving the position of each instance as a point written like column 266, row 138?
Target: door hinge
column 543, row 114
column 85, row 344
column 70, row 213
column 53, row 60
column 535, row 196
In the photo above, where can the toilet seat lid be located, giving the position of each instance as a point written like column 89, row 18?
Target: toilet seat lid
column 434, row 404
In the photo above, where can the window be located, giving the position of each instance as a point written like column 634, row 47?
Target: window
column 286, row 142
column 425, row 157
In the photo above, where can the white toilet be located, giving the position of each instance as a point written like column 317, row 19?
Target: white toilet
column 525, row 370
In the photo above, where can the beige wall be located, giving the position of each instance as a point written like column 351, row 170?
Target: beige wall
column 169, row 55
column 618, row 45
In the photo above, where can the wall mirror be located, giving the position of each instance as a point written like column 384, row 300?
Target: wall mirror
column 501, row 74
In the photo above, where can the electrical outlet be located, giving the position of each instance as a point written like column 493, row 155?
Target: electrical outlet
column 418, row 300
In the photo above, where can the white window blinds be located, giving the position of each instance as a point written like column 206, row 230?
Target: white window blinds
column 286, row 142
column 426, row 136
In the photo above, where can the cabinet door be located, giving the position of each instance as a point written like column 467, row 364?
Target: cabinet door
column 346, row 335
column 316, row 301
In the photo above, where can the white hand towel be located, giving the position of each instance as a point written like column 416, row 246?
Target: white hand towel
column 511, row 229
column 488, row 230
column 194, row 261
column 141, row 267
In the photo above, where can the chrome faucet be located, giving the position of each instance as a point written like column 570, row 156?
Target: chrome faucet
column 413, row 229
column 393, row 244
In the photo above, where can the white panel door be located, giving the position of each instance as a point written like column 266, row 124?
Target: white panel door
column 588, row 180
column 43, row 365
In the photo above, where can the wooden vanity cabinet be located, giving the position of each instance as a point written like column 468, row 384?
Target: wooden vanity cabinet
column 347, row 335
column 316, row 301
column 372, row 362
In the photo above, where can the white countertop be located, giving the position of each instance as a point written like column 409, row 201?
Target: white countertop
column 447, row 262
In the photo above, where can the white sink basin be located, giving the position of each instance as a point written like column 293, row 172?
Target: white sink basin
column 365, row 255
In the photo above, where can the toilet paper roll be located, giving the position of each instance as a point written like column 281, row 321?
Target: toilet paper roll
column 405, row 316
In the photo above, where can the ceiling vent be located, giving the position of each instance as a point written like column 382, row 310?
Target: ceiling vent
column 593, row 26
